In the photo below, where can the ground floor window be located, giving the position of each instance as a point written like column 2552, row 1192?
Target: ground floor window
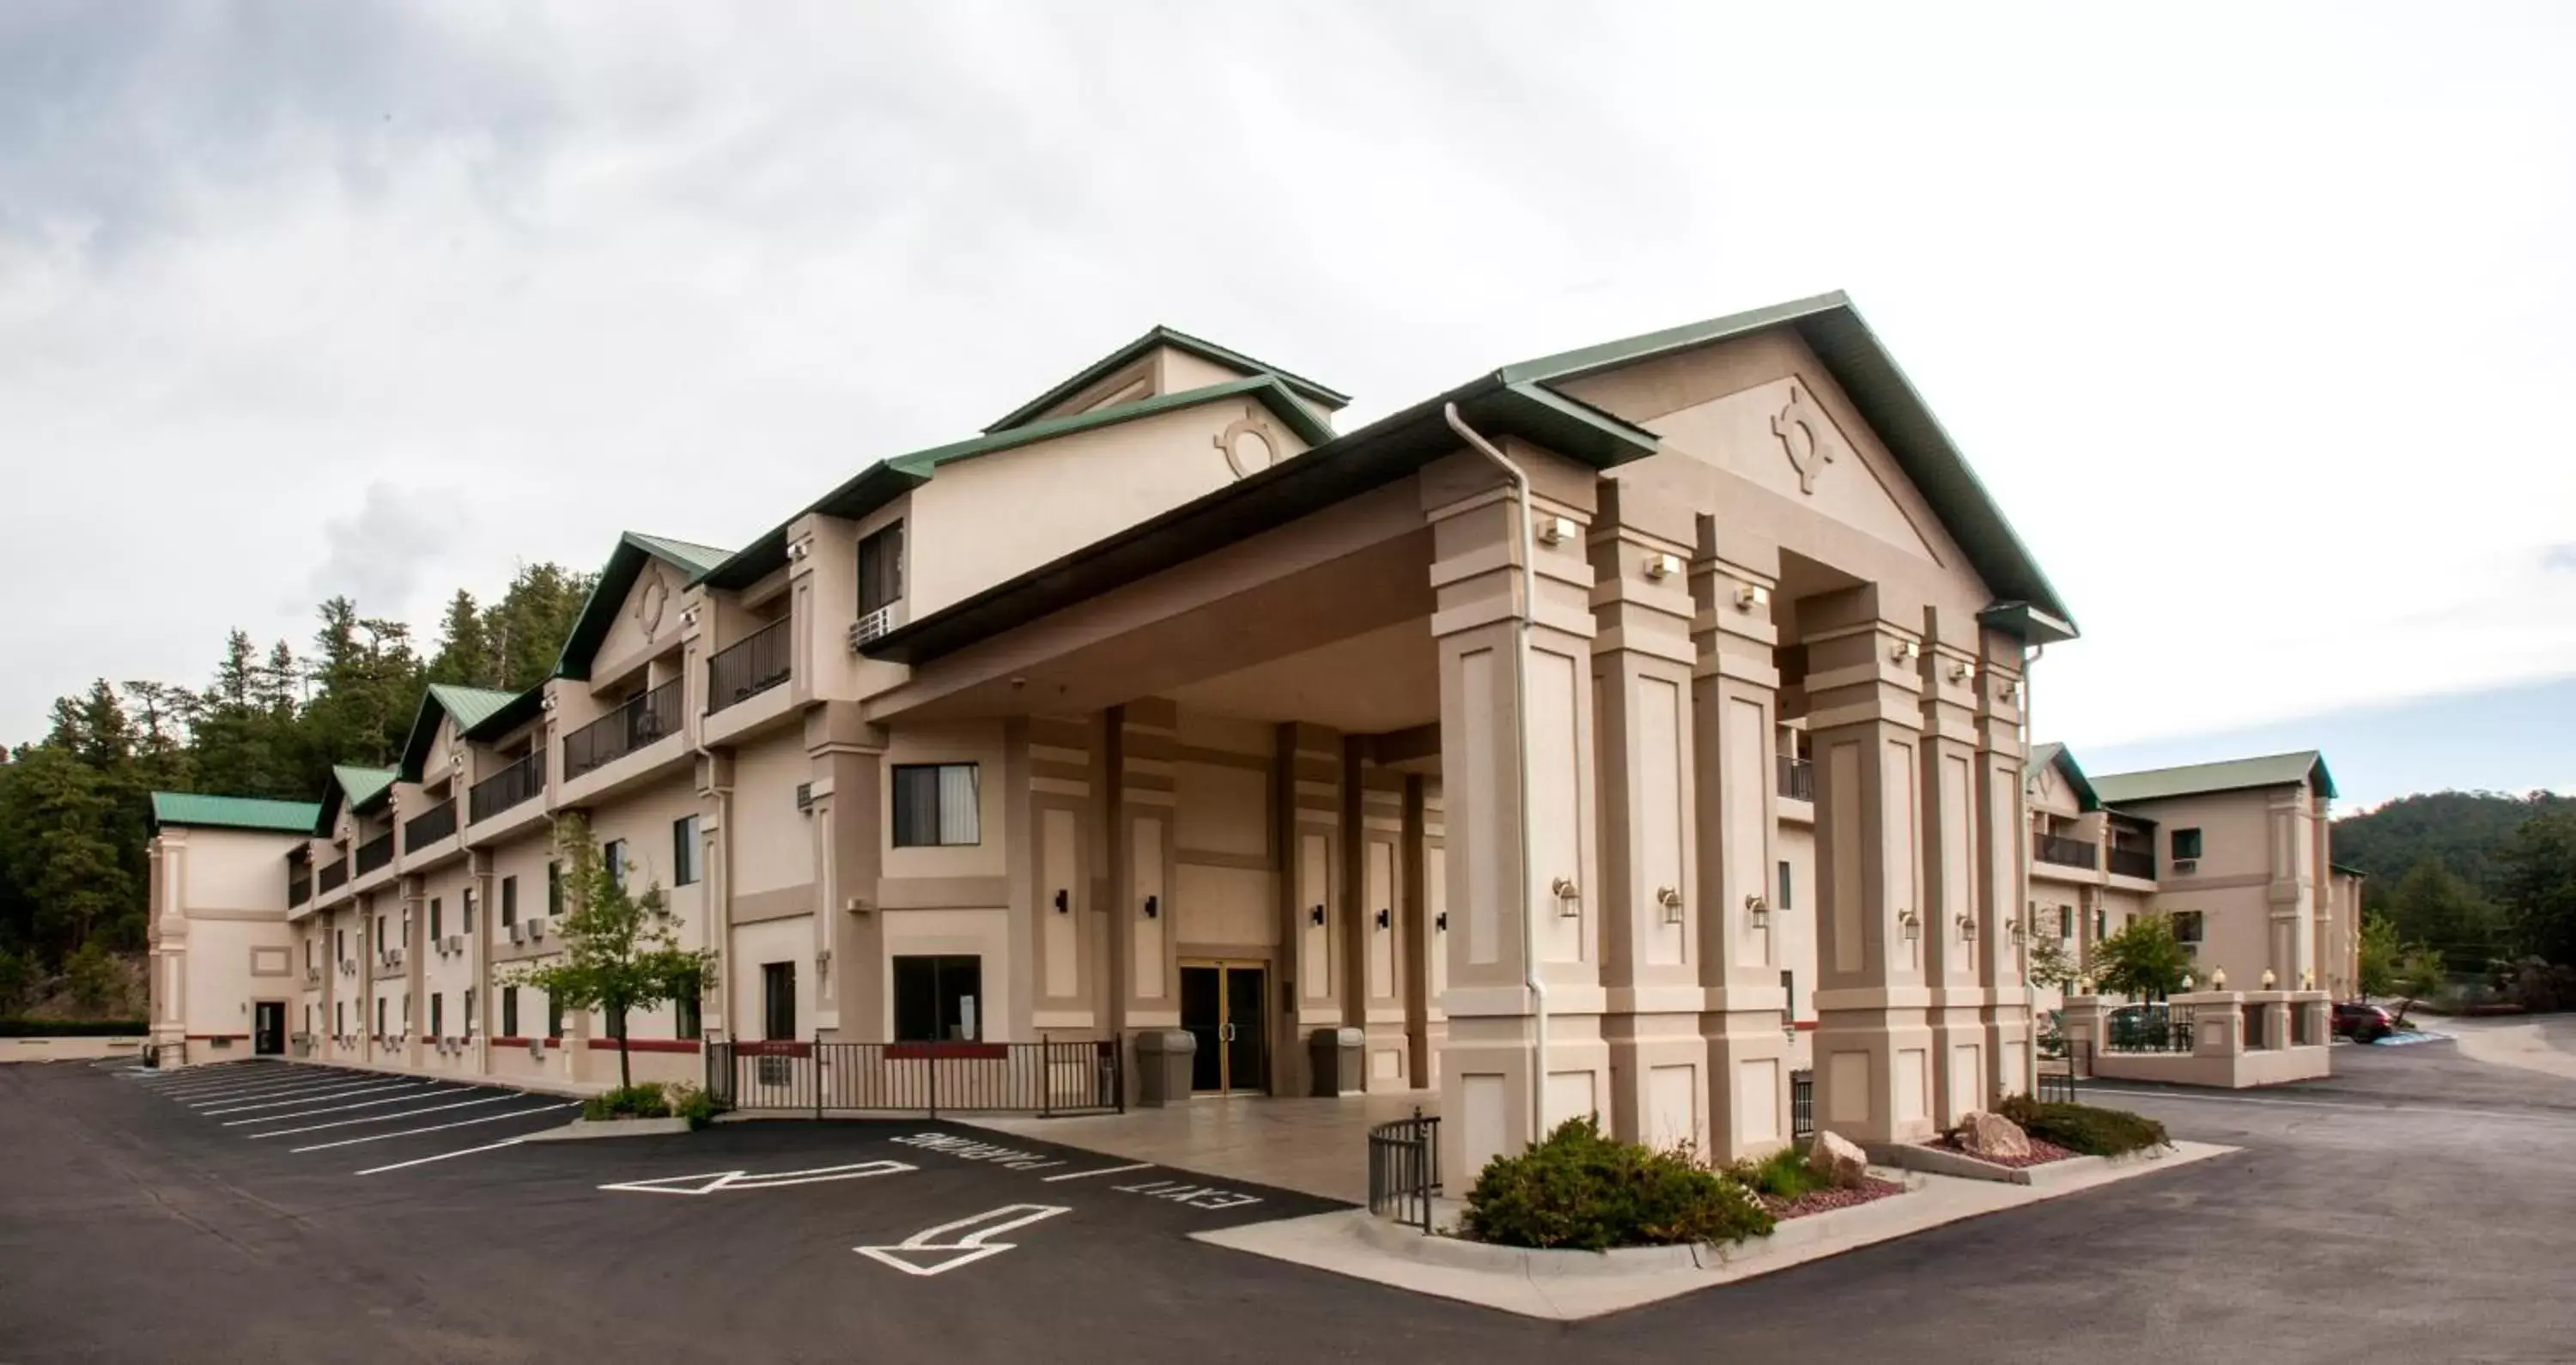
column 339, row 1018
column 380, row 1016
column 554, row 1017
column 438, row 1014
column 469, row 1012
column 685, row 1019
column 509, row 1011
column 936, row 999
column 778, row 1001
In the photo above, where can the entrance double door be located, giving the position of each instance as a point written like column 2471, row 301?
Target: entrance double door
column 1225, row 1006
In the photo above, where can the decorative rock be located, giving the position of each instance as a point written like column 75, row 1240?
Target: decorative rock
column 1838, row 1160
column 1993, row 1136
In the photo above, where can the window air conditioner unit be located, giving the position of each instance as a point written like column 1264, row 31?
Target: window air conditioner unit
column 537, row 1048
column 536, row 928
column 882, row 621
column 518, row 933
column 456, row 943
column 2184, row 867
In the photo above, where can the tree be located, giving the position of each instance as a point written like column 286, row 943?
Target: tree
column 17, row 982
column 2380, row 953
column 464, row 652
column 2434, row 906
column 91, row 974
column 2539, row 885
column 621, row 951
column 2142, row 961
column 2051, row 964
column 2419, row 974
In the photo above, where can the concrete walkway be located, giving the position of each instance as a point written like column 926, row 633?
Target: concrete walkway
column 1313, row 1146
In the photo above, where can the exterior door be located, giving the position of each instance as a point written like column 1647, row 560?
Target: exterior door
column 268, row 1028
column 1224, row 1005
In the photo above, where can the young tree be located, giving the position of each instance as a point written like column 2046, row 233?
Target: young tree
column 2419, row 974
column 2380, row 953
column 2143, row 961
column 621, row 951
column 2051, row 964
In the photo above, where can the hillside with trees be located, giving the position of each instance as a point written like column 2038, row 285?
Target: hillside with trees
column 2481, row 882
column 75, row 803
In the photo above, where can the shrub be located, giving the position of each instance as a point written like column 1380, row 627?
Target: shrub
column 690, row 1102
column 1583, row 1190
column 644, row 1101
column 2085, row 1128
column 1783, row 1175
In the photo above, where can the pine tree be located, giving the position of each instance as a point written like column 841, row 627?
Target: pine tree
column 464, row 653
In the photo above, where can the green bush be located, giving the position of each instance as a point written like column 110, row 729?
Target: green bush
column 691, row 1103
column 644, row 1101
column 1784, row 1174
column 2085, row 1128
column 1580, row 1189
column 73, row 1028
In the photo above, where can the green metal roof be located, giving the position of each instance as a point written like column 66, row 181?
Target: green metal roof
column 2056, row 755
column 2237, row 774
column 1832, row 328
column 470, row 706
column 350, row 786
column 233, row 812
column 1209, row 351
column 516, row 712
column 608, row 592
column 886, row 480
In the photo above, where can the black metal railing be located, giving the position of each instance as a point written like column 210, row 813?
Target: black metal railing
column 2134, row 862
column 2065, row 852
column 507, row 788
column 429, row 826
column 1404, row 1169
column 2055, row 1081
column 636, row 723
column 299, row 885
column 1797, row 778
column 335, row 874
column 2152, row 1028
column 375, row 853
column 748, row 667
column 1044, row 1078
column 1802, row 1105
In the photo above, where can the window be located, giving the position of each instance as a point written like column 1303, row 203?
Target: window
column 936, row 804
column 308, row 953
column 554, row 1017
column 686, row 1021
column 434, row 917
column 778, row 1001
column 339, row 1018
column 339, row 945
column 612, row 855
column 381, row 944
column 2189, row 927
column 509, row 1011
column 2066, row 921
column 684, row 851
column 2101, row 924
column 1788, row 989
column 936, row 999
column 469, row 1012
column 880, row 568
column 1785, row 902
column 438, row 1015
column 554, row 889
column 509, row 901
column 469, row 910
column 380, row 1016
column 2186, row 844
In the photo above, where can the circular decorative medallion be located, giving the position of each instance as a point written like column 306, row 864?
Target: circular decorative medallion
column 1806, row 433
column 650, row 603
column 1248, row 446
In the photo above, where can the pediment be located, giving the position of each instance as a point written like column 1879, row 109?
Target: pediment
column 1784, row 436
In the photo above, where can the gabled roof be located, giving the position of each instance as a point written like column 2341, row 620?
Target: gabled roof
column 1832, row 328
column 2236, row 774
column 1208, row 351
column 2056, row 756
column 625, row 565
column 470, row 706
column 888, row 479
column 233, row 812
column 350, row 786
column 518, row 711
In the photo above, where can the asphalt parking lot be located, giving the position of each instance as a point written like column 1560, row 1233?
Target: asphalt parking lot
column 2414, row 1208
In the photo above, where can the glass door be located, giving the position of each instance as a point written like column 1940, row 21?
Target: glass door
column 1224, row 1008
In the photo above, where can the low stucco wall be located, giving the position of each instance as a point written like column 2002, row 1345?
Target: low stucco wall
column 67, row 1049
column 2233, row 1072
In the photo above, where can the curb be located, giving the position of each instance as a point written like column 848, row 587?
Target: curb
column 583, row 1130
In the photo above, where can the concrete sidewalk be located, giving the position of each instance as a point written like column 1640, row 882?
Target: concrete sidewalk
column 1313, row 1146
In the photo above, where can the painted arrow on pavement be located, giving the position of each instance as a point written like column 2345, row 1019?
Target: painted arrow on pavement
column 714, row 1181
column 923, row 1253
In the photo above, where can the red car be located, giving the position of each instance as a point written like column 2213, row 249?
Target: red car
column 2362, row 1021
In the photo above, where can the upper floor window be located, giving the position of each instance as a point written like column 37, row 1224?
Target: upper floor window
column 684, row 852
column 880, row 568
column 936, row 804
column 613, row 856
column 2186, row 844
column 2189, row 927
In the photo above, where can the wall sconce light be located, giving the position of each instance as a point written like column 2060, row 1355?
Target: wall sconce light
column 1671, row 900
column 1904, row 651
column 546, row 702
column 1315, row 916
column 2009, row 691
column 1910, row 924
column 1750, row 595
column 1569, row 901
column 1385, row 919
column 1441, row 921
column 1555, row 530
column 2084, row 985
column 2218, row 978
column 1153, row 906
column 1963, row 673
column 797, row 549
column 823, row 965
column 1760, row 910
column 1968, row 927
column 2307, row 980
column 2020, row 930
column 1660, row 567
column 688, row 616
column 2268, row 979
column 1063, row 901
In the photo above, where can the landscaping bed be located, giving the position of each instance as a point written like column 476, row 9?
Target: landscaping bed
column 2041, row 1153
column 1829, row 1198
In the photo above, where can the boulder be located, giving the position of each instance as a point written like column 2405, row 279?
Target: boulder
column 1838, row 1160
column 1993, row 1136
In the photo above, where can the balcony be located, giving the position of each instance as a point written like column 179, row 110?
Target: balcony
column 2134, row 862
column 376, row 853
column 748, row 667
column 634, row 725
column 335, row 874
column 429, row 827
column 299, row 885
column 1797, row 778
column 508, row 787
column 2065, row 852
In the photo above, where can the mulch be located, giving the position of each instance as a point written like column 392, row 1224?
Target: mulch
column 1826, row 1200
column 2041, row 1153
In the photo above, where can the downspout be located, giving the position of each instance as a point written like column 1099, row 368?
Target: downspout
column 1520, row 757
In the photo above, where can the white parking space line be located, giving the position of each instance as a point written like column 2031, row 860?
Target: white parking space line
column 279, row 1092
column 293, row 1115
column 423, row 1161
column 397, row 1115
column 317, row 1098
column 272, row 1084
column 209, row 1085
column 435, row 1128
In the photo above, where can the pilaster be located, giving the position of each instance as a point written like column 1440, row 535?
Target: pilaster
column 1958, row 915
column 2003, row 866
column 848, row 819
column 1314, row 902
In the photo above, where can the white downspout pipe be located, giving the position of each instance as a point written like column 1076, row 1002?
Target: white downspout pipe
column 1520, row 758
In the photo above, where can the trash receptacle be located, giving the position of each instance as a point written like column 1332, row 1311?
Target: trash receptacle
column 1163, row 1061
column 1334, row 1056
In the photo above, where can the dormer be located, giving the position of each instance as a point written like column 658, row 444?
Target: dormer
column 1159, row 364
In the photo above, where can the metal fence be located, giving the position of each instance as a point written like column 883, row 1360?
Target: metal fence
column 1404, row 1169
column 2055, row 1080
column 1802, row 1105
column 1043, row 1078
column 2151, row 1028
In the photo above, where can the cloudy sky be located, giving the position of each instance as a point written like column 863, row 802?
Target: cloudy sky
column 2249, row 315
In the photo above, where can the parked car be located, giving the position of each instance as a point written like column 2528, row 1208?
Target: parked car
column 2362, row 1021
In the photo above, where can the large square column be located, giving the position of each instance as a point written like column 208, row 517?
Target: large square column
column 2003, row 865
column 1512, row 917
column 1874, row 1064
column 1959, row 912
